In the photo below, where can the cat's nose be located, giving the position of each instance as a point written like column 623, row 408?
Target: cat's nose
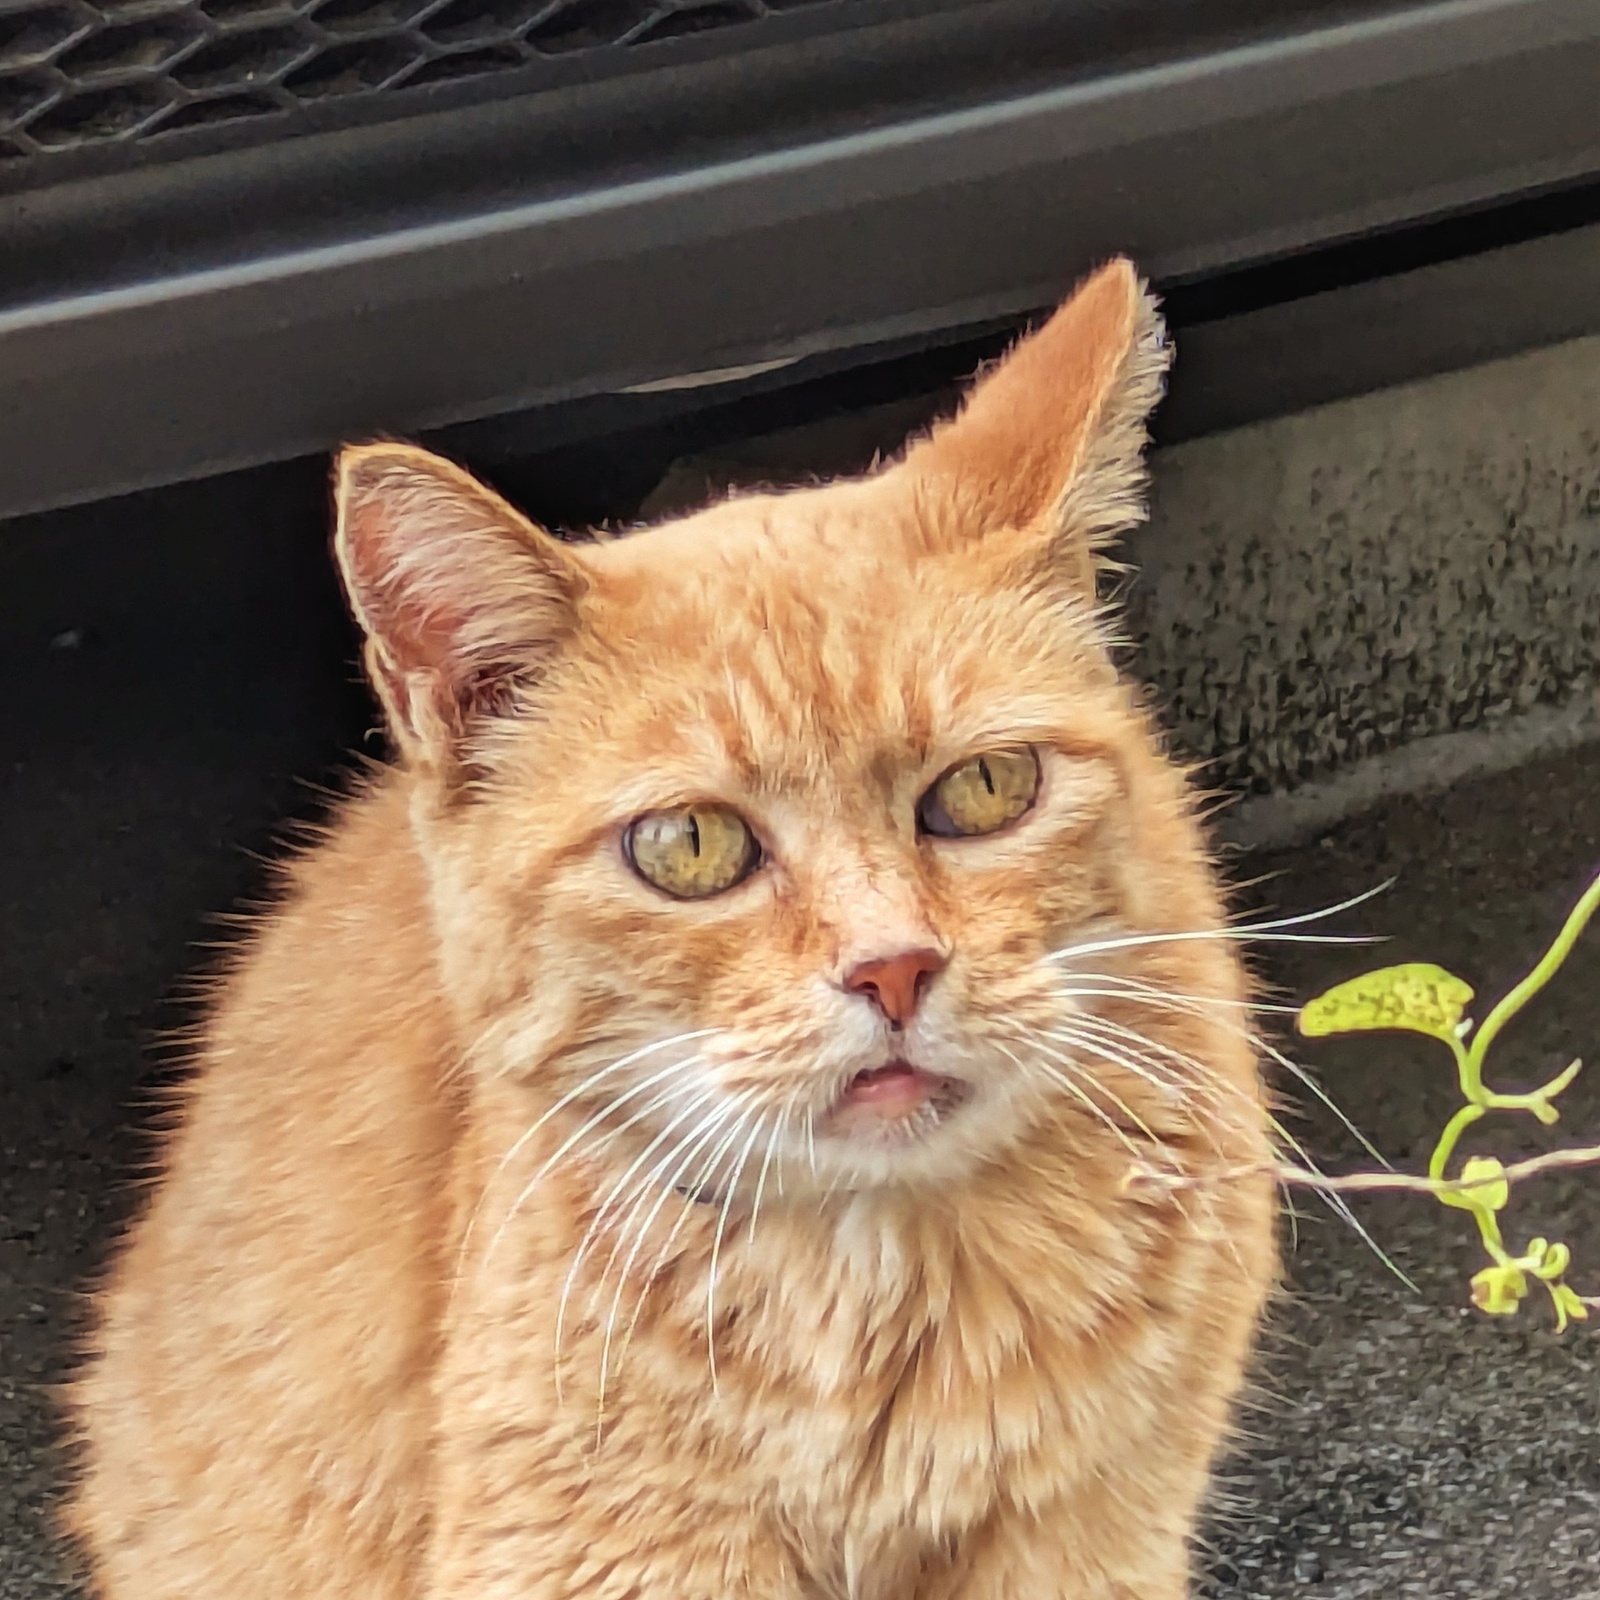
column 896, row 983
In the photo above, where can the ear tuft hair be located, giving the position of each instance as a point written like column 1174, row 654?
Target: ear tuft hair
column 1052, row 438
column 459, row 595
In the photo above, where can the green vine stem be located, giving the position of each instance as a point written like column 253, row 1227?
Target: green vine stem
column 1421, row 998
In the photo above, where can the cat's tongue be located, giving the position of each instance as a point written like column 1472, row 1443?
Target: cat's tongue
column 892, row 1090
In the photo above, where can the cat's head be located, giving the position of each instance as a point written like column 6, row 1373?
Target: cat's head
column 811, row 823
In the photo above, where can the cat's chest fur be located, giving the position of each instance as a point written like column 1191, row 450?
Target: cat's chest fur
column 881, row 1387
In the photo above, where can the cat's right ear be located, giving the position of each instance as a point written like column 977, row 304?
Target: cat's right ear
column 460, row 596
column 1051, row 440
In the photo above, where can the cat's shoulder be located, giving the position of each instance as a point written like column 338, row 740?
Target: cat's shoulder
column 348, row 928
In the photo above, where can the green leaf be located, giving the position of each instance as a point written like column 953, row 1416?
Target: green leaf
column 1491, row 1190
column 1498, row 1290
column 1567, row 1305
column 1556, row 1259
column 1418, row 997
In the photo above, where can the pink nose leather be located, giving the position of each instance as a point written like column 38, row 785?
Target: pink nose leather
column 896, row 984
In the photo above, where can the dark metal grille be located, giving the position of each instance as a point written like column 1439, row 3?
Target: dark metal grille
column 74, row 74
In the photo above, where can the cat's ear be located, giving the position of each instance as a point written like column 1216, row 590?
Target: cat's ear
column 1051, row 440
column 460, row 596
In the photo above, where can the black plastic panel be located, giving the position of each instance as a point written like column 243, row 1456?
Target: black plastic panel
column 93, row 87
column 727, row 212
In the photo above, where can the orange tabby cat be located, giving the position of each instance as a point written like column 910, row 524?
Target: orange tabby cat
column 672, row 1137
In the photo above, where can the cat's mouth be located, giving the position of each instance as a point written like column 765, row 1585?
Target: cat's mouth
column 895, row 1102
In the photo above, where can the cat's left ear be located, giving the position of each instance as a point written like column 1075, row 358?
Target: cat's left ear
column 1051, row 440
column 459, row 595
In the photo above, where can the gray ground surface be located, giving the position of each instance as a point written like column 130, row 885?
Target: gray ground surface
column 165, row 674
column 1405, row 1444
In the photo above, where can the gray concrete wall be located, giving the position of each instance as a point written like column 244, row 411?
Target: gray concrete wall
column 1325, row 588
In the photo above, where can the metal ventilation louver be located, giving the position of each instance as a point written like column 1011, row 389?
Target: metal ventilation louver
column 74, row 74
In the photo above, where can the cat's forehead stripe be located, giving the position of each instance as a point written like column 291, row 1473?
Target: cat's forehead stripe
column 826, row 639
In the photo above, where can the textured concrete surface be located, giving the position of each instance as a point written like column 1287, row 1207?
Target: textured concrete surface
column 1404, row 1444
column 1421, row 766
column 1326, row 587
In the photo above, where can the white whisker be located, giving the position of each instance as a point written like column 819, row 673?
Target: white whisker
column 1084, row 1030
column 696, row 1184
column 653, row 1191
column 1100, row 985
column 1119, row 1058
column 701, row 1138
column 1257, row 1042
column 778, row 1126
column 716, row 1248
column 1337, row 1204
column 1191, row 1079
column 1099, row 1086
column 1142, row 989
column 572, row 1139
column 1178, row 1203
column 1304, row 1076
column 1268, row 932
column 603, row 1212
column 1141, row 940
column 560, row 1105
column 1064, row 1080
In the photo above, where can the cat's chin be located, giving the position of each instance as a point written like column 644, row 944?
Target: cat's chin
column 895, row 1105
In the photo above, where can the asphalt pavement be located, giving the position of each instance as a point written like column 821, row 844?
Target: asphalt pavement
column 176, row 684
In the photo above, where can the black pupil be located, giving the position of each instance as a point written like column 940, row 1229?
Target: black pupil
column 988, row 778
column 694, row 834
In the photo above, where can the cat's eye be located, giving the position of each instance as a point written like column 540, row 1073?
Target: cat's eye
column 692, row 852
column 981, row 794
